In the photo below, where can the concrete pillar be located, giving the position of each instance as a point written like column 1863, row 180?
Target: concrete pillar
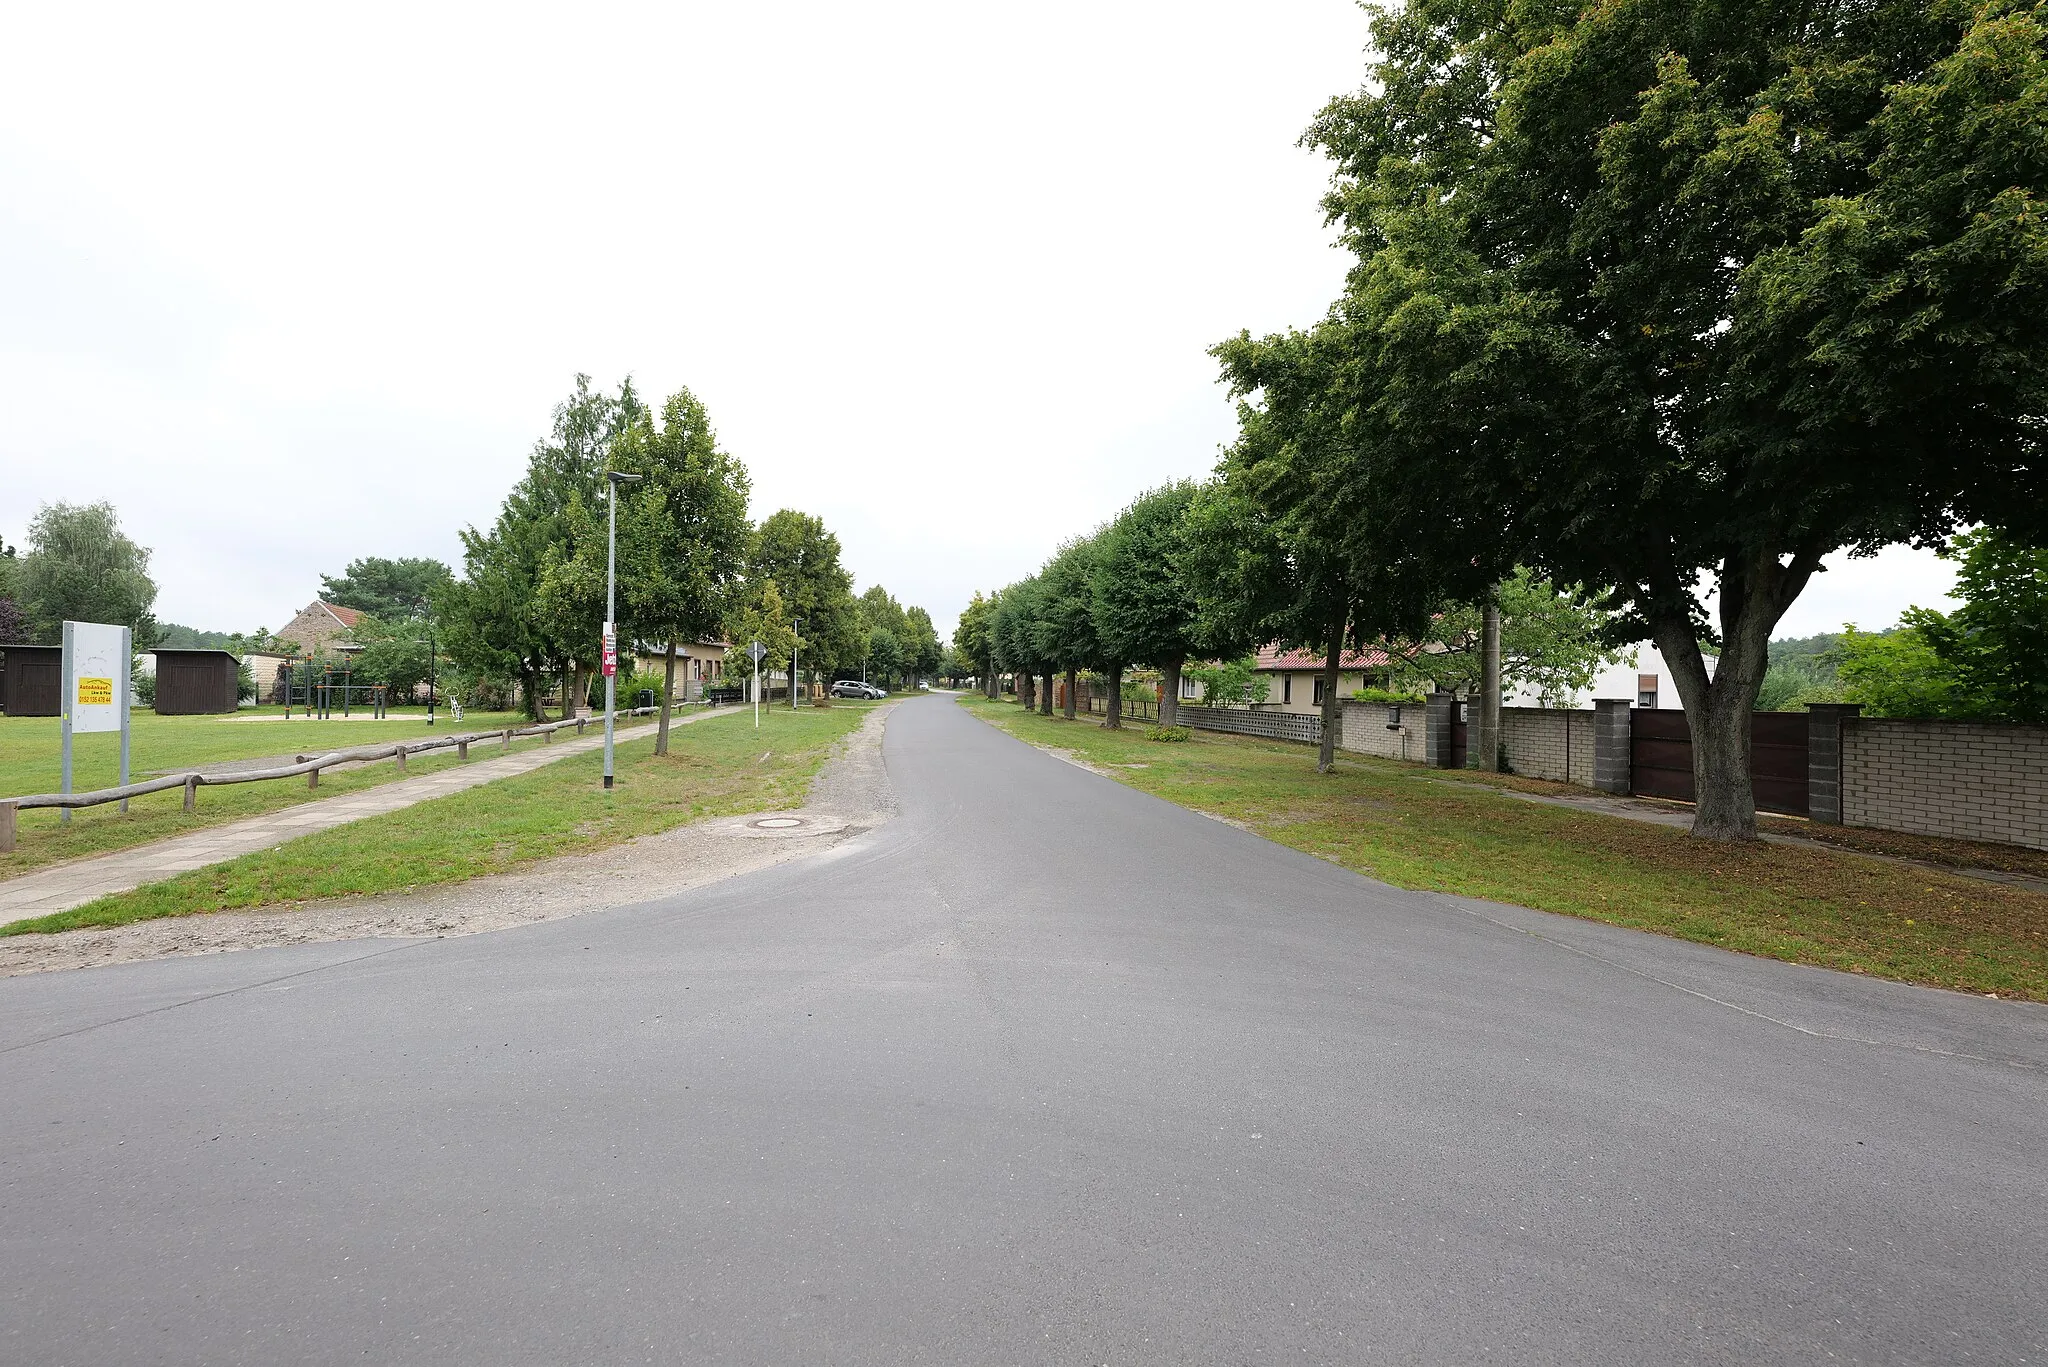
column 1440, row 711
column 1612, row 756
column 1824, row 759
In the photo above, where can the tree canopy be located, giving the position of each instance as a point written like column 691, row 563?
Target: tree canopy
column 82, row 567
column 390, row 589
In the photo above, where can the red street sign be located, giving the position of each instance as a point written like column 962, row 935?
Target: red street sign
column 611, row 655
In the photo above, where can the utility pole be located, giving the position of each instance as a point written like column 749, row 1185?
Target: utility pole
column 1489, row 686
column 613, row 479
column 796, row 628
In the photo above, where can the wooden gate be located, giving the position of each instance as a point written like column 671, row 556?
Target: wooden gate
column 1660, row 757
column 1460, row 748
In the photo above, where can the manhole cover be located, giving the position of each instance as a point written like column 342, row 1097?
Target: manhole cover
column 779, row 823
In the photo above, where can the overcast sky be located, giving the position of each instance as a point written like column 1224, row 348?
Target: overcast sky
column 292, row 287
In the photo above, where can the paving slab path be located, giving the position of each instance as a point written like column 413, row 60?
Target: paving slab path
column 65, row 886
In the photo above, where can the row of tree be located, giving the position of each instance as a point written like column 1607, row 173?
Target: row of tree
column 692, row 567
column 1675, row 299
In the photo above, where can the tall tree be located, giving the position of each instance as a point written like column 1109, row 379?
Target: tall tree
column 802, row 556
column 922, row 649
column 390, row 589
column 1145, row 607
column 1706, row 292
column 82, row 567
column 683, row 532
column 1067, row 639
column 971, row 637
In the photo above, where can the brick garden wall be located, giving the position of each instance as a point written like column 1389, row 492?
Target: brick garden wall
column 1247, row 722
column 1954, row 779
column 1547, row 742
column 1365, row 731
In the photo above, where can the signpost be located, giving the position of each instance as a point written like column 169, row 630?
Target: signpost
column 754, row 653
column 97, row 659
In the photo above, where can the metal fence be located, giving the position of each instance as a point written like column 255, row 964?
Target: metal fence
column 308, row 765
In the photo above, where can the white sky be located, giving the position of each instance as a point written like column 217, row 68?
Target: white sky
column 293, row 287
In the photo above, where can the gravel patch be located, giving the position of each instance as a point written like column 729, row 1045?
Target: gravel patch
column 849, row 796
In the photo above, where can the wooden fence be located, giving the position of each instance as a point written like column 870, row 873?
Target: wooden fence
column 308, row 765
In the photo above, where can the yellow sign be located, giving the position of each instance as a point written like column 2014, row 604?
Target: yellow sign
column 95, row 692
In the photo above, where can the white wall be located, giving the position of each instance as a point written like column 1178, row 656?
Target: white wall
column 1619, row 681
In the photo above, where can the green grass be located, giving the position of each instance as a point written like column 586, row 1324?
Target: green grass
column 1418, row 828
column 29, row 763
column 714, row 768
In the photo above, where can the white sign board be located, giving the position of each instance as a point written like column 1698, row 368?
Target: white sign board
column 96, row 673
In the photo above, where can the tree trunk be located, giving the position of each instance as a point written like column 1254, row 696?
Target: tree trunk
column 530, row 679
column 1169, row 693
column 993, row 683
column 1026, row 696
column 1115, row 720
column 668, row 693
column 1754, row 595
column 1045, row 694
column 1489, row 687
column 1326, row 754
column 1073, row 686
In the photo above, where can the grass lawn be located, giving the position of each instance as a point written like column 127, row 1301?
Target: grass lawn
column 1416, row 828
column 29, row 758
column 714, row 768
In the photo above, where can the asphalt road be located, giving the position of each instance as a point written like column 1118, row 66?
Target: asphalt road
column 1043, row 1071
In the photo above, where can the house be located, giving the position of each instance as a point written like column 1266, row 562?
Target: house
column 321, row 627
column 1294, row 678
column 697, row 663
column 1640, row 675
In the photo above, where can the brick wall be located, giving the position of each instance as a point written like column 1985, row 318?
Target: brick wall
column 1545, row 742
column 1953, row 779
column 1365, row 731
column 1272, row 725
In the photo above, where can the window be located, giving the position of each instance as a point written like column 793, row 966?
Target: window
column 1646, row 690
column 1286, row 688
column 1319, row 691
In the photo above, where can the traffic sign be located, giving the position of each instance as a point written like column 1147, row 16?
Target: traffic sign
column 756, row 651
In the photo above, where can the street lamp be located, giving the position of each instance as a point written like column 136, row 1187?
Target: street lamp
column 796, row 628
column 613, row 479
column 425, row 611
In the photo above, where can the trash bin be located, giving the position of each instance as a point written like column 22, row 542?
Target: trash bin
column 644, row 698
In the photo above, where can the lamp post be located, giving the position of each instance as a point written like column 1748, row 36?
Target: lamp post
column 796, row 628
column 425, row 610
column 613, row 479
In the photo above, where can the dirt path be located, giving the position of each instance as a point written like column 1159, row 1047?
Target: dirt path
column 851, row 795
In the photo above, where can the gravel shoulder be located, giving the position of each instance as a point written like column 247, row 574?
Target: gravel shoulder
column 849, row 796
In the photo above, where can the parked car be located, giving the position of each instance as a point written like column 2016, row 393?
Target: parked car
column 854, row 688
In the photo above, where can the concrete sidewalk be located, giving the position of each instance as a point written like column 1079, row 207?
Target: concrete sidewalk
column 72, row 885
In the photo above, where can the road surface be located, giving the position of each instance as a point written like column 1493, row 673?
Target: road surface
column 1043, row 1071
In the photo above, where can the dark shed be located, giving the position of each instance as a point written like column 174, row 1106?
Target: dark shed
column 33, row 683
column 189, row 681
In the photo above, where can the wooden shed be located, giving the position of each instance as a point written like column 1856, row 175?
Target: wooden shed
column 191, row 681
column 32, row 682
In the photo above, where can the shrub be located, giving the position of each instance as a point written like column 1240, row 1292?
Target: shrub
column 1382, row 695
column 1168, row 733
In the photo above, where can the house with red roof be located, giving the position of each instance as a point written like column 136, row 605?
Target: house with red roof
column 1294, row 678
column 321, row 627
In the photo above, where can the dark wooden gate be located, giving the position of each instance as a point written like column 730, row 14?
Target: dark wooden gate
column 1459, row 748
column 1660, row 757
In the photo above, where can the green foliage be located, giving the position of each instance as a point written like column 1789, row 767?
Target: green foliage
column 1144, row 605
column 760, row 616
column 245, row 683
column 972, row 636
column 1986, row 661
column 1687, row 297
column 803, row 558
column 142, row 685
column 81, row 567
column 1383, row 695
column 390, row 589
column 1231, row 683
column 1169, row 734
column 1551, row 639
column 394, row 653
column 1899, row 674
